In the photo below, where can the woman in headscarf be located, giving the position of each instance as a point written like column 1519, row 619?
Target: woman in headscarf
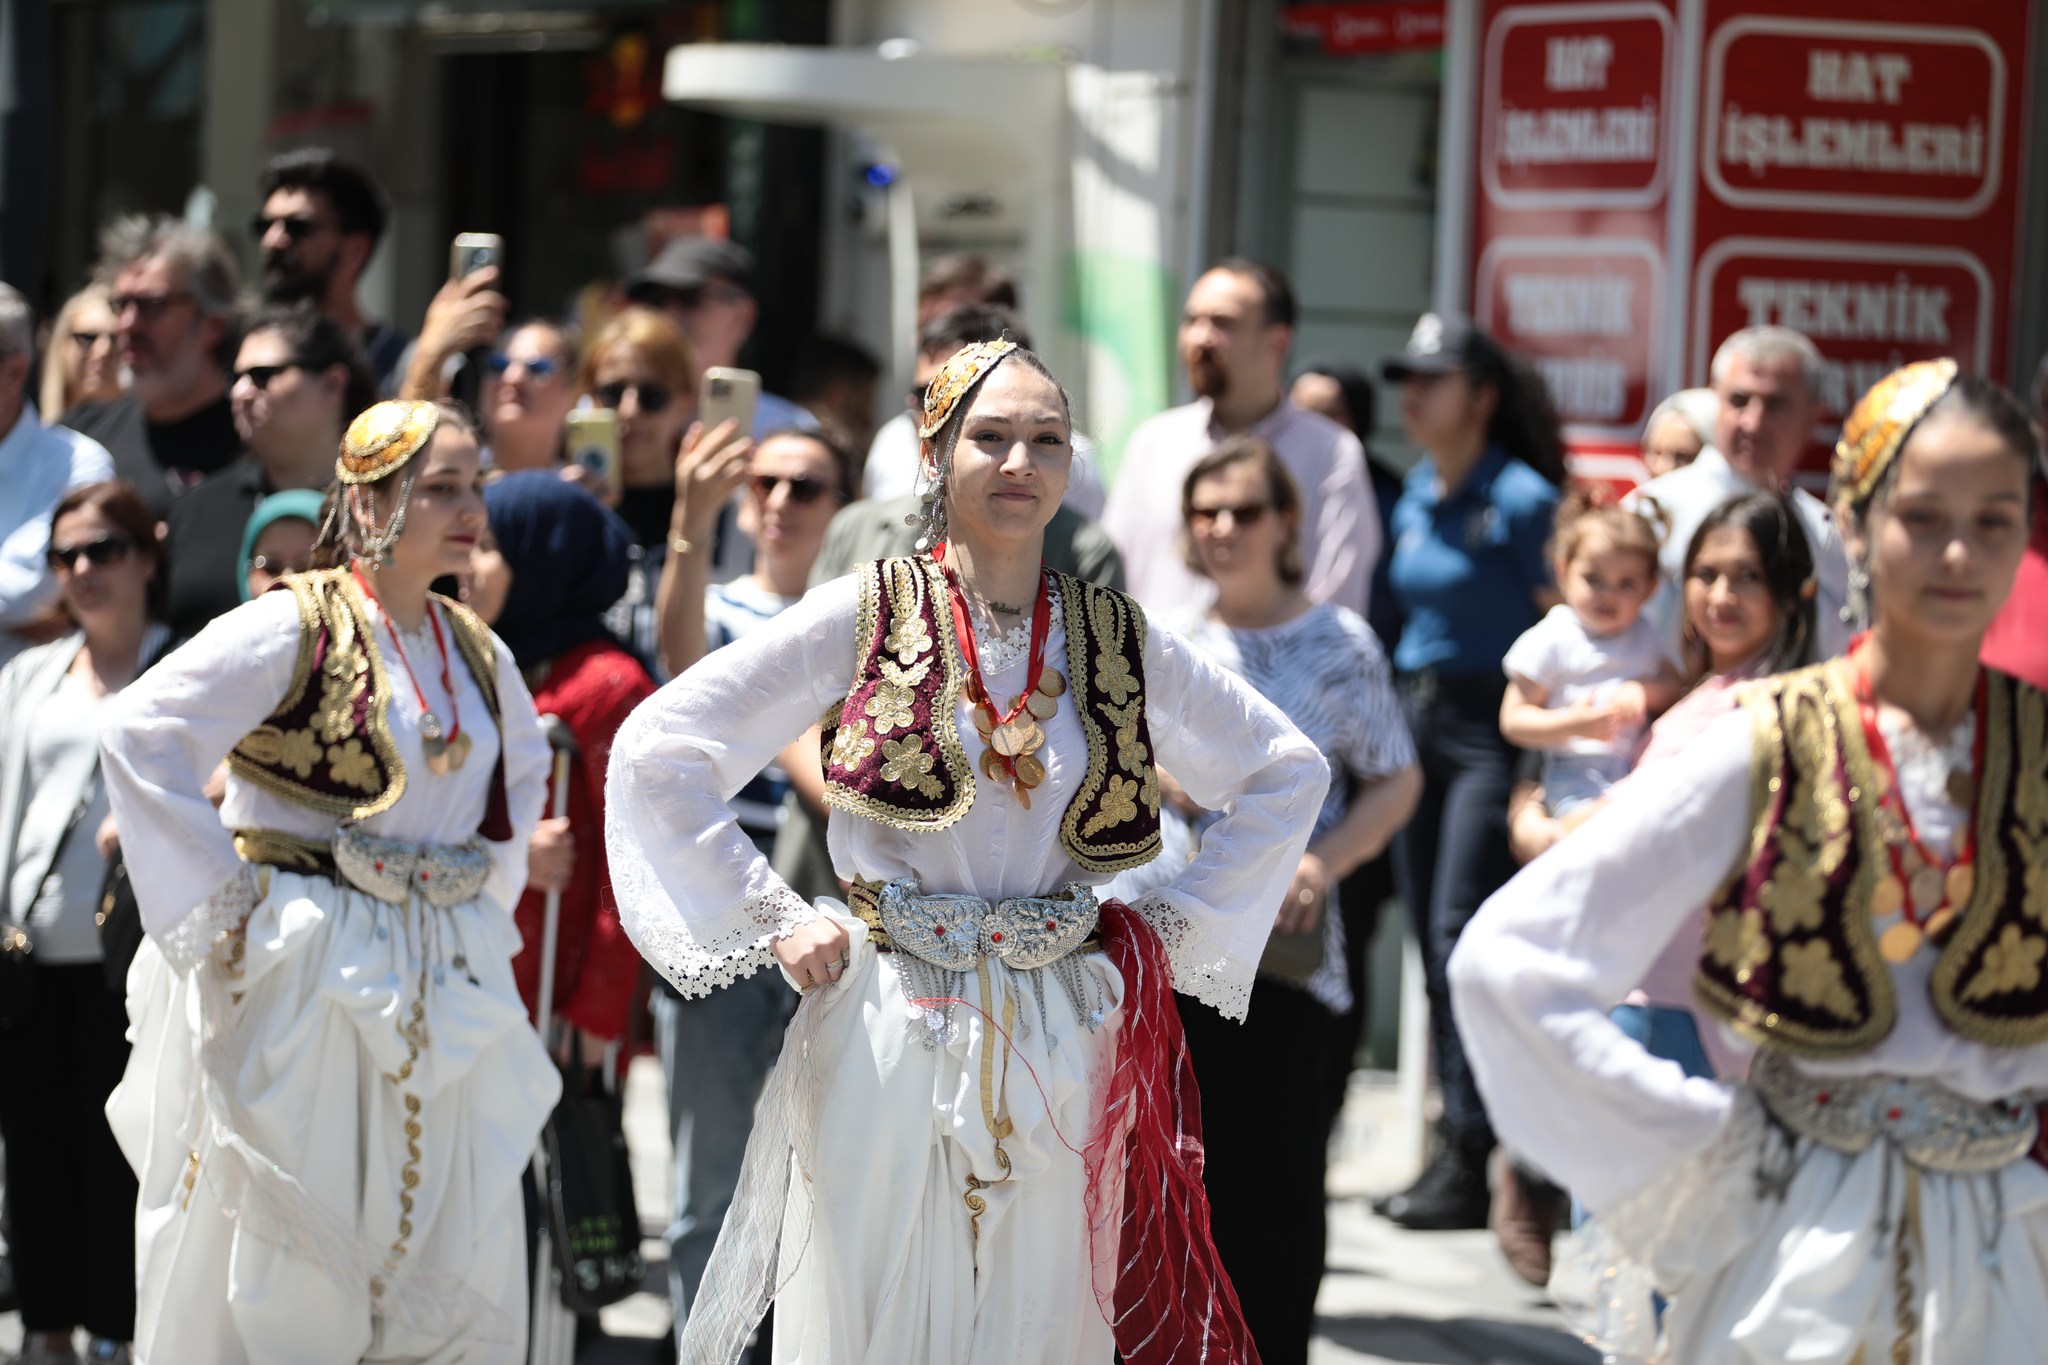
column 279, row 539
column 1870, row 838
column 553, row 560
column 985, row 1089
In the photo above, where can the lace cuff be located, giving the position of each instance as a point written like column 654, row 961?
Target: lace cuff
column 212, row 922
column 697, row 967
column 1200, row 968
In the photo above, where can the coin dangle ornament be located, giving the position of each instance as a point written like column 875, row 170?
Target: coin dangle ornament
column 1013, row 734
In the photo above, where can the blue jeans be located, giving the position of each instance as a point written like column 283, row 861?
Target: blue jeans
column 715, row 1054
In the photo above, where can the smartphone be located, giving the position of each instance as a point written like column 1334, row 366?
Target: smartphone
column 728, row 393
column 472, row 251
column 594, row 444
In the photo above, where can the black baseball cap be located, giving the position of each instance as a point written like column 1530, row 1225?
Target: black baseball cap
column 688, row 263
column 1440, row 344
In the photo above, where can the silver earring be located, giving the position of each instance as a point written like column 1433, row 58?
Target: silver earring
column 1856, row 610
column 931, row 514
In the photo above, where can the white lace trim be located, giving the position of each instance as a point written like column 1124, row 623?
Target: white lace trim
column 212, row 922
column 1000, row 650
column 698, row 968
column 1200, row 968
column 1605, row 1277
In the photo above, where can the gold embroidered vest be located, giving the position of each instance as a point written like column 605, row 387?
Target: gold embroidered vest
column 893, row 751
column 1791, row 958
column 328, row 744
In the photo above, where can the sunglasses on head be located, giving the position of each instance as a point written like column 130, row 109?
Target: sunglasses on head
column 540, row 367
column 296, row 226
column 104, row 551
column 148, row 307
column 652, row 397
column 1242, row 514
column 261, row 375
column 803, row 489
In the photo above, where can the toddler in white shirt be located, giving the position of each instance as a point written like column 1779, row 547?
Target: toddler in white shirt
column 1584, row 680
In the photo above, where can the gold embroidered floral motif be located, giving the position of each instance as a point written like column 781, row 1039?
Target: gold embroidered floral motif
column 1813, row 976
column 908, row 638
column 851, row 745
column 1792, row 897
column 2011, row 964
column 351, row 765
column 1726, row 939
column 336, row 717
column 1119, row 803
column 1148, row 791
column 906, row 763
column 1113, row 678
column 890, row 707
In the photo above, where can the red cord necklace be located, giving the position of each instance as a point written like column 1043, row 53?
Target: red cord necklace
column 1013, row 737
column 1918, row 879
column 445, row 752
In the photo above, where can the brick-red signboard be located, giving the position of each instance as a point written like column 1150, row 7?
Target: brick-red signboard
column 1857, row 176
column 1572, row 173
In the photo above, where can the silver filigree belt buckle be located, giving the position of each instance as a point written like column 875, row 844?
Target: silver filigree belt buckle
column 1928, row 1124
column 395, row 870
column 957, row 932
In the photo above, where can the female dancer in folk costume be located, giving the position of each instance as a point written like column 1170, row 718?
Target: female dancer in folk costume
column 985, row 1092
column 334, row 1088
column 1870, row 837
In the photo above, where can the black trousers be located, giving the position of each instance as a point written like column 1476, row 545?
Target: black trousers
column 1265, row 1124
column 70, row 1194
column 1363, row 897
column 1452, row 856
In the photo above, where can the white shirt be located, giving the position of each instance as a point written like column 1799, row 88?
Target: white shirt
column 1340, row 526
column 701, row 901
column 1536, row 970
column 167, row 730
column 891, row 470
column 1572, row 665
column 1686, row 495
column 38, row 466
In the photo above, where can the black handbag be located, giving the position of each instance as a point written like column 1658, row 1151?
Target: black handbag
column 593, row 1224
column 120, row 922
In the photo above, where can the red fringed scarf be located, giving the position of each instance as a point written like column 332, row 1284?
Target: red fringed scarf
column 1158, row 1277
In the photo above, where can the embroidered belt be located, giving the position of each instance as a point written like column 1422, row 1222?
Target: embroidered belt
column 956, row 933
column 1930, row 1125
column 392, row 870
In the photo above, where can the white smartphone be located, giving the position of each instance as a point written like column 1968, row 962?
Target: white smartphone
column 472, row 251
column 728, row 393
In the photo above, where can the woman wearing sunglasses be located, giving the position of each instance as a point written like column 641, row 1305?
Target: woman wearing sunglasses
column 640, row 367
column 528, row 396
column 82, row 362
column 71, row 1193
column 335, row 1089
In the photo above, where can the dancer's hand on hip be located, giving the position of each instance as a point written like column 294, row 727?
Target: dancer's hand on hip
column 814, row 954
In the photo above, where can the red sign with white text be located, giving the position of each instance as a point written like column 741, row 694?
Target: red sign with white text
column 1857, row 180
column 1573, row 165
column 1366, row 29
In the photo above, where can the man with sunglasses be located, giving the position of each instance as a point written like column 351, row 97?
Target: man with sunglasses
column 321, row 221
column 706, row 287
column 298, row 379
column 38, row 466
column 176, row 303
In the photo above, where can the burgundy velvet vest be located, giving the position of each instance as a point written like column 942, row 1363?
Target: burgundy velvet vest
column 1791, row 958
column 328, row 744
column 893, row 751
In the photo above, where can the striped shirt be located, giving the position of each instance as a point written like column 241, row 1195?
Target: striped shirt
column 732, row 610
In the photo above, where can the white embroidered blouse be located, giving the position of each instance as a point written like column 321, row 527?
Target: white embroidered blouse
column 703, row 904
column 169, row 728
column 1536, row 970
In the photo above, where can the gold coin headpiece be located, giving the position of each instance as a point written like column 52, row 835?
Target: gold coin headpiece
column 1882, row 420
column 956, row 378
column 383, row 437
